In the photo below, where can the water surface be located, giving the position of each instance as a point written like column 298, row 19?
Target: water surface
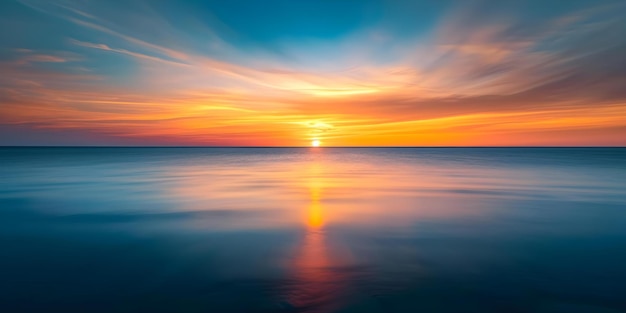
column 312, row 230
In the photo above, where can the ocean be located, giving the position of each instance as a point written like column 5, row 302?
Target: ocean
column 313, row 230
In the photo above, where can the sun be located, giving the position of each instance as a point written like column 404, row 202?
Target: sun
column 315, row 143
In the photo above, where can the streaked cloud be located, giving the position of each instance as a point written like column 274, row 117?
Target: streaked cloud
column 486, row 73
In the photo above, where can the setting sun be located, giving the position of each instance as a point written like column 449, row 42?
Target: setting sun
column 315, row 143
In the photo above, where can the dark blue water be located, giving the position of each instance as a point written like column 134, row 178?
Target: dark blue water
column 312, row 230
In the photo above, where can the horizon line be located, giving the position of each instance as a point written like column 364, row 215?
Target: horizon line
column 299, row 147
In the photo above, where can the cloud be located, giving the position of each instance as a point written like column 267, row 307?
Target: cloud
column 483, row 73
column 126, row 52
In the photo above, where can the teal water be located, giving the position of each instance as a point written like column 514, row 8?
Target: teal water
column 313, row 230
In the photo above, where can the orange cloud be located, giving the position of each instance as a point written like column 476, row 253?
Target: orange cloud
column 489, row 81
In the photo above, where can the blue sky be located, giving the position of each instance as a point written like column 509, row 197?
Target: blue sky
column 287, row 72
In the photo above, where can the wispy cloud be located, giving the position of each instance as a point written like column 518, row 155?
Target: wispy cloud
column 482, row 75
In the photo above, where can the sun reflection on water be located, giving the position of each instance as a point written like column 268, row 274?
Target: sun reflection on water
column 316, row 283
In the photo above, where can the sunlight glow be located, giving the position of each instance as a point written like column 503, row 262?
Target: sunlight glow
column 432, row 87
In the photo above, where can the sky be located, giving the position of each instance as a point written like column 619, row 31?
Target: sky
column 286, row 73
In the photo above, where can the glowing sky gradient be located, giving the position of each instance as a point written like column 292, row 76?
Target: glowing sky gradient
column 283, row 73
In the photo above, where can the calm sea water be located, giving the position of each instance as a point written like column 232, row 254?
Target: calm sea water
column 312, row 230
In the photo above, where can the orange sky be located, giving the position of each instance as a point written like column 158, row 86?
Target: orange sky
column 467, row 78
